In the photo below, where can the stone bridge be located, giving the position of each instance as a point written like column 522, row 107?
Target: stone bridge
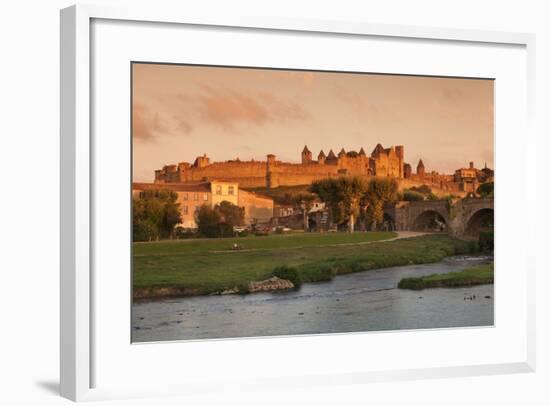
column 462, row 217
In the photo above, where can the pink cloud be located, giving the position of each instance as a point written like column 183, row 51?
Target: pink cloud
column 228, row 108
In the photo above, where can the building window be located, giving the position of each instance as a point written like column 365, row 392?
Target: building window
column 231, row 190
column 218, row 189
column 196, row 197
column 185, row 209
column 206, row 197
column 186, row 196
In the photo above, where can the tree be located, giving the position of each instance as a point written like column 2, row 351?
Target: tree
column 305, row 202
column 412, row 196
column 155, row 214
column 342, row 195
column 219, row 221
column 486, row 189
column 230, row 213
column 379, row 192
column 424, row 189
column 208, row 221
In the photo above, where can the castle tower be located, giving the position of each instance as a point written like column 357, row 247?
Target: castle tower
column 306, row 156
column 471, row 164
column 362, row 152
column 400, row 151
column 202, row 161
column 321, row 157
column 420, row 169
column 331, row 157
column 377, row 150
column 271, row 180
column 342, row 153
column 407, row 171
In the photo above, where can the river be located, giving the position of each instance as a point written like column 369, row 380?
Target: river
column 363, row 301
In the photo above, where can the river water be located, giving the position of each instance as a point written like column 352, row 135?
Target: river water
column 364, row 301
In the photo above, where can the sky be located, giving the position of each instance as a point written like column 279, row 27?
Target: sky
column 180, row 112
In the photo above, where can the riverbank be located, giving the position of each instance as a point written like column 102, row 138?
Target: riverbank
column 203, row 267
column 361, row 301
column 477, row 275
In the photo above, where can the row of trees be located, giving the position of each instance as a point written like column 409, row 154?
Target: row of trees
column 352, row 200
column 156, row 214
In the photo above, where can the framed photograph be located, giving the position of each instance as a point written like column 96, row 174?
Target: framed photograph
column 258, row 202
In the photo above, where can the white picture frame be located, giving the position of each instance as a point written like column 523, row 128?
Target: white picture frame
column 77, row 188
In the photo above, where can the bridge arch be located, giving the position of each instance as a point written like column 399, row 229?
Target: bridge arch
column 480, row 220
column 430, row 220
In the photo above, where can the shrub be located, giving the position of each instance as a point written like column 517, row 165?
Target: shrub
column 143, row 230
column 288, row 273
column 424, row 189
column 325, row 273
column 486, row 241
column 411, row 196
column 432, row 196
column 243, row 233
column 243, row 288
column 411, row 283
column 225, row 230
column 486, row 189
column 184, row 233
column 473, row 247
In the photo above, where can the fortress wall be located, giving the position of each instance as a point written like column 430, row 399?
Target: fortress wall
column 439, row 187
column 298, row 174
column 226, row 170
column 301, row 169
column 355, row 166
column 246, row 182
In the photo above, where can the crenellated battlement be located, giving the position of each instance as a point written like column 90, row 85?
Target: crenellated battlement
column 273, row 173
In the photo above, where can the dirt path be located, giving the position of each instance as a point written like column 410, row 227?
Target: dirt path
column 407, row 234
column 400, row 235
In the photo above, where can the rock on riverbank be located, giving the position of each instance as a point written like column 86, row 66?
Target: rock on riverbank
column 273, row 283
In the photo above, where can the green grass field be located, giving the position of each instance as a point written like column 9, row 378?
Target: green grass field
column 207, row 266
column 478, row 275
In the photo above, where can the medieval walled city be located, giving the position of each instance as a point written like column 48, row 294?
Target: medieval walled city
column 255, row 185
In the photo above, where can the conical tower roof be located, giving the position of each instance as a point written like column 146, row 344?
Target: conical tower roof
column 362, row 151
column 420, row 164
column 306, row 150
column 342, row 152
column 322, row 154
column 331, row 155
column 379, row 148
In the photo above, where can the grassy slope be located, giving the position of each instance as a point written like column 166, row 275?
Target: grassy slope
column 210, row 265
column 478, row 275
